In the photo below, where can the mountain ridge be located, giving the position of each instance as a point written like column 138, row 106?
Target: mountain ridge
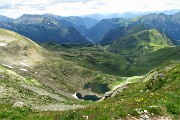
column 118, row 32
column 144, row 41
column 42, row 29
column 5, row 19
column 169, row 24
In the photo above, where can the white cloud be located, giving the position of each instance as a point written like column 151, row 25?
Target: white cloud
column 14, row 8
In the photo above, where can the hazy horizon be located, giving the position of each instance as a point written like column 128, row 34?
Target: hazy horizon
column 16, row 8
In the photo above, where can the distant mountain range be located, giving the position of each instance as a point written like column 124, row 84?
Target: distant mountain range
column 129, row 14
column 78, row 21
column 5, row 19
column 43, row 28
column 97, row 32
column 169, row 24
column 86, row 30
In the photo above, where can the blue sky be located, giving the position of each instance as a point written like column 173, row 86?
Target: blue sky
column 15, row 8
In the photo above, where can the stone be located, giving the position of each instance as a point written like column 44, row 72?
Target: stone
column 145, row 117
column 145, row 111
column 18, row 104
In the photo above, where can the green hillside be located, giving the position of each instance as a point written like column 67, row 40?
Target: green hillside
column 156, row 95
column 141, row 43
column 140, row 78
column 146, row 62
column 120, row 32
column 29, row 73
column 16, row 48
column 98, row 58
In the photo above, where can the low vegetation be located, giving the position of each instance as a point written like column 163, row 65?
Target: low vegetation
column 150, row 80
column 157, row 96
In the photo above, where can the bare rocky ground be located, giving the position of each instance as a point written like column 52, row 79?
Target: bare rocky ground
column 17, row 100
column 56, row 107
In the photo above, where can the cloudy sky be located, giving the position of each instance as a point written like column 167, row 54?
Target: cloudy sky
column 15, row 8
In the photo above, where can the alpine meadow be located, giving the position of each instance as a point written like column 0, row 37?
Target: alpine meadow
column 90, row 60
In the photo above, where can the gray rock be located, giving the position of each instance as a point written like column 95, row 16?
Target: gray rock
column 18, row 104
column 144, row 117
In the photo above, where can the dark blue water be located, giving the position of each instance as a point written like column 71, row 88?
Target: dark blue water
column 87, row 97
column 97, row 87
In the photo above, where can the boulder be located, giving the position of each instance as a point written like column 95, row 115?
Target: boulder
column 18, row 104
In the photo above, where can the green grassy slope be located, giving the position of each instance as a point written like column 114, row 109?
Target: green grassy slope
column 141, row 43
column 15, row 87
column 96, row 58
column 64, row 70
column 32, row 62
column 146, row 62
column 18, row 58
column 15, row 48
column 120, row 32
column 156, row 95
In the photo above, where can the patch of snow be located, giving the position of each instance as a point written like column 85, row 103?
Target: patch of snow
column 2, row 44
column 25, row 70
column 74, row 95
column 24, row 64
column 9, row 66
